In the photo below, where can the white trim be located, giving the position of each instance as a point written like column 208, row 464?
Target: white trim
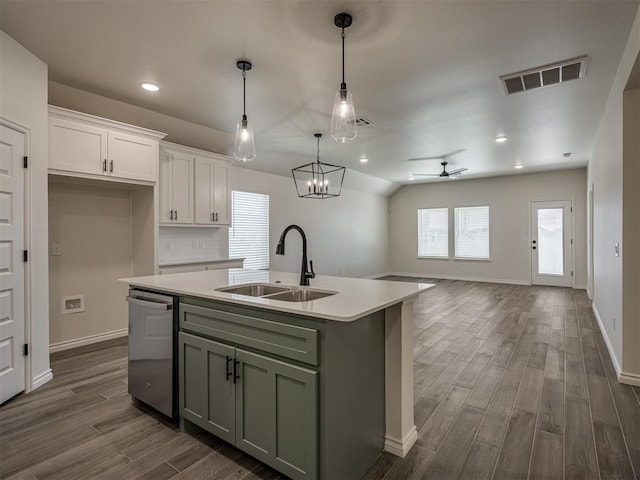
column 581, row 286
column 79, row 342
column 453, row 277
column 614, row 360
column 400, row 448
column 41, row 379
column 629, row 378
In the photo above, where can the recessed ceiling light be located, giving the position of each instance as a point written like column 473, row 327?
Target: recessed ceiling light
column 501, row 138
column 411, row 177
column 364, row 160
column 566, row 154
column 518, row 167
column 149, row 86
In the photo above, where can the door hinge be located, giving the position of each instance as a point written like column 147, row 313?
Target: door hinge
column 25, row 162
column 571, row 209
column 25, row 349
column 572, row 241
column 572, row 273
column 25, row 255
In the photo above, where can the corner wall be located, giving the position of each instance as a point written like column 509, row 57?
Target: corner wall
column 23, row 100
column 509, row 200
column 347, row 235
column 605, row 173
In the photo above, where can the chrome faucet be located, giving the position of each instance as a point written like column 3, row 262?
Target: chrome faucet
column 305, row 274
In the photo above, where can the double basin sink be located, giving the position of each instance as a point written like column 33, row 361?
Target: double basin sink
column 277, row 292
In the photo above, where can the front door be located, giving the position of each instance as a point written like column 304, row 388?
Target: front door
column 12, row 378
column 551, row 243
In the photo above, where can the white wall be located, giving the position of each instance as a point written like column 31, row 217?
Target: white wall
column 23, row 100
column 605, row 173
column 346, row 235
column 508, row 199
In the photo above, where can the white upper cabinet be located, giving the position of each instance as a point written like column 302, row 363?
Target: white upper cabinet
column 89, row 146
column 176, row 188
column 194, row 187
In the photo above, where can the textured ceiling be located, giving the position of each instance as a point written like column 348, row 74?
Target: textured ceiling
column 425, row 73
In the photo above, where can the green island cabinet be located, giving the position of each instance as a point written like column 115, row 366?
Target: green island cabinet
column 301, row 394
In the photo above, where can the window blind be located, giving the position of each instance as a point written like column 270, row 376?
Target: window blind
column 433, row 232
column 249, row 231
column 472, row 232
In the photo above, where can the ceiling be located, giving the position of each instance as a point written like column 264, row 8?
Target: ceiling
column 424, row 72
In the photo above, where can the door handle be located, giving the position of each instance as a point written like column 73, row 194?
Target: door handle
column 111, row 166
column 228, row 367
column 104, row 165
column 235, row 371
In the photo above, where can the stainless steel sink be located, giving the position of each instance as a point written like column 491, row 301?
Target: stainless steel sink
column 276, row 292
column 299, row 295
column 254, row 289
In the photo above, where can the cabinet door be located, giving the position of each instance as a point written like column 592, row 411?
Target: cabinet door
column 277, row 414
column 132, row 157
column 165, row 188
column 221, row 194
column 76, row 147
column 207, row 390
column 182, row 189
column 204, row 171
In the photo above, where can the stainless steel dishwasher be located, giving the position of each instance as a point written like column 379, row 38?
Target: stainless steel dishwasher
column 153, row 349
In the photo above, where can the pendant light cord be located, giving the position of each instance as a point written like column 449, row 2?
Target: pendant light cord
column 244, row 93
column 318, row 156
column 343, row 36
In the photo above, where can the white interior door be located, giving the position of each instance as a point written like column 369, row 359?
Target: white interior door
column 551, row 243
column 12, row 379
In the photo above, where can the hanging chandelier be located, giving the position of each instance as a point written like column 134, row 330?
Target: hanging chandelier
column 318, row 179
column 244, row 148
column 343, row 119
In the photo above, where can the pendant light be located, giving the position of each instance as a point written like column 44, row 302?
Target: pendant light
column 318, row 179
column 343, row 119
column 244, row 148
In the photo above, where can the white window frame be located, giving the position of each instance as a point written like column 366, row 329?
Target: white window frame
column 262, row 220
column 455, row 236
column 419, row 218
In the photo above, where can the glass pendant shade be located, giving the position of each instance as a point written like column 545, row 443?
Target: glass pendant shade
column 244, row 148
column 343, row 119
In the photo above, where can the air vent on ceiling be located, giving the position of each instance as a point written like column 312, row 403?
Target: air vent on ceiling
column 544, row 76
column 363, row 122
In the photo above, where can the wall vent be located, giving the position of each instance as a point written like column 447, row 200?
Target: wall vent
column 363, row 122
column 544, row 76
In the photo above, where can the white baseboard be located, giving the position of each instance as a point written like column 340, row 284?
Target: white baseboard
column 41, row 379
column 79, row 342
column 629, row 378
column 455, row 277
column 400, row 448
column 603, row 331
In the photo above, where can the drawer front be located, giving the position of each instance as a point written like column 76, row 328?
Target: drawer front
column 288, row 341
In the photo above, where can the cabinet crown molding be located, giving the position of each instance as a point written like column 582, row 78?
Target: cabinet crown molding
column 176, row 148
column 65, row 113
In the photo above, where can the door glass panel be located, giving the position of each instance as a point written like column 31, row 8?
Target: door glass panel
column 550, row 241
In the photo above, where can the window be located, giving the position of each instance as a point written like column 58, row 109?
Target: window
column 433, row 232
column 249, row 232
column 472, row 232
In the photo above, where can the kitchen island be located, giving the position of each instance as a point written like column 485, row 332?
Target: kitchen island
column 316, row 389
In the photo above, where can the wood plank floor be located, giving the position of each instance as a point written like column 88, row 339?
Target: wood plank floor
column 510, row 381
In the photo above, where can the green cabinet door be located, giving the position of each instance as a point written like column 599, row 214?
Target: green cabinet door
column 207, row 390
column 277, row 414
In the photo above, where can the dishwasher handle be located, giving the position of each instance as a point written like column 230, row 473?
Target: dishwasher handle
column 149, row 303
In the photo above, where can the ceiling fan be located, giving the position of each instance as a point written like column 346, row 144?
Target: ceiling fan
column 444, row 163
column 444, row 173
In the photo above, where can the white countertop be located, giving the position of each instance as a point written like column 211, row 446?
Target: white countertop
column 356, row 297
column 174, row 263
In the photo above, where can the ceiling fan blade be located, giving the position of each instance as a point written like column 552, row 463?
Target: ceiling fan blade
column 425, row 174
column 424, row 158
column 458, row 171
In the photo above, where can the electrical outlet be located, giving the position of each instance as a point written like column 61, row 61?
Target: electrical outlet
column 56, row 249
column 616, row 248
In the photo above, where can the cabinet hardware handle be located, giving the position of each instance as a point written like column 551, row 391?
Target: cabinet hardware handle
column 176, row 214
column 235, row 371
column 228, row 369
column 216, row 217
column 111, row 166
column 170, row 214
column 212, row 217
column 104, row 165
